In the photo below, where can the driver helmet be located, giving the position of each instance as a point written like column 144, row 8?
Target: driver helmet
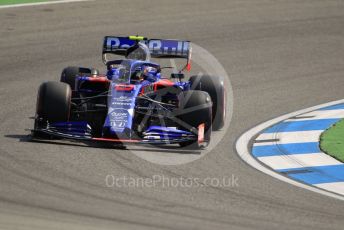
column 148, row 73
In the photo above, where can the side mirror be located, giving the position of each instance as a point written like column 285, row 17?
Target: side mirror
column 177, row 75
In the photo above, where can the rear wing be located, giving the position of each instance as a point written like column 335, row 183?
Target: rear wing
column 158, row 48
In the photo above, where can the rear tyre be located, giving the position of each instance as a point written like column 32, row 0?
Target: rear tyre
column 214, row 86
column 69, row 74
column 195, row 110
column 53, row 102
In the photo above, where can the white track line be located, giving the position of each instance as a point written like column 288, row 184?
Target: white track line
column 289, row 137
column 298, row 161
column 336, row 187
column 243, row 149
column 41, row 3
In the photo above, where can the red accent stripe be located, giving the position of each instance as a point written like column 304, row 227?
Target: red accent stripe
column 201, row 133
column 98, row 79
column 188, row 67
column 124, row 87
column 115, row 140
column 165, row 82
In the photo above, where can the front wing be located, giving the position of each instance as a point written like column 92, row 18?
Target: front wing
column 72, row 135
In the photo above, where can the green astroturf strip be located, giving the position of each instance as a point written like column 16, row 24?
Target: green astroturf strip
column 332, row 141
column 11, row 2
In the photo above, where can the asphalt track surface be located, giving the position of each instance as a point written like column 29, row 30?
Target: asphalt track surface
column 281, row 56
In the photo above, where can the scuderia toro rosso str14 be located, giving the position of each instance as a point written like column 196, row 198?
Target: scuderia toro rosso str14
column 133, row 101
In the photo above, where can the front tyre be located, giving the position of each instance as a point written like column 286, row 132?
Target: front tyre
column 195, row 111
column 214, row 86
column 53, row 102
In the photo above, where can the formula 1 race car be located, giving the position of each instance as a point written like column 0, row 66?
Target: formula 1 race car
column 132, row 102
